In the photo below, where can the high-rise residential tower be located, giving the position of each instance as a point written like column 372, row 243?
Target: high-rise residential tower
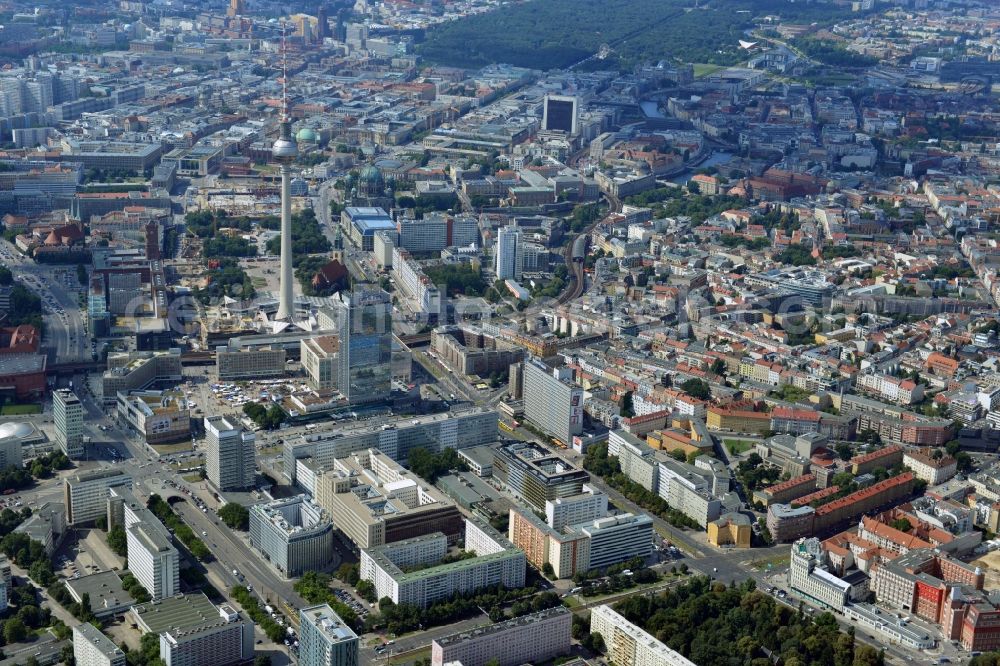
column 67, row 414
column 509, row 253
column 230, row 460
column 326, row 640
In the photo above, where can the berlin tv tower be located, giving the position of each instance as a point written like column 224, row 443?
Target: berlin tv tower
column 284, row 152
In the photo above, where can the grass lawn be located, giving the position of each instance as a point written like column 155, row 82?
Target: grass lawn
column 407, row 658
column 193, row 478
column 258, row 282
column 169, row 449
column 738, row 446
column 771, row 563
column 20, row 410
column 704, row 69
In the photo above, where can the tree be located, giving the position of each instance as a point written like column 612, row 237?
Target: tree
column 117, row 540
column 6, row 276
column 548, row 571
column 628, row 410
column 81, row 274
column 697, row 388
column 14, row 630
column 349, row 573
column 901, row 524
column 236, row 516
column 366, row 590
column 262, row 660
column 844, row 450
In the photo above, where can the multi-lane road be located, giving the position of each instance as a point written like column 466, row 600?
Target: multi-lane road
column 58, row 287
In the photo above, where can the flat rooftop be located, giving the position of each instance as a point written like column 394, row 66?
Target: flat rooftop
column 185, row 611
column 328, row 623
column 500, row 627
column 21, row 364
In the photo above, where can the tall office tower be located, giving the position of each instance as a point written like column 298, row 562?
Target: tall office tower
column 236, row 8
column 509, row 253
column 67, row 414
column 552, row 402
column 230, row 460
column 93, row 648
column 324, row 639
column 324, row 22
column 364, row 360
column 560, row 113
column 153, row 560
column 285, row 150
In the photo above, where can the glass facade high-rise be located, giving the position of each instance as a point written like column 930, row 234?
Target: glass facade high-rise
column 364, row 361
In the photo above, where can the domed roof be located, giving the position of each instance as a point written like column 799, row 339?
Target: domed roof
column 371, row 175
column 307, row 134
column 14, row 430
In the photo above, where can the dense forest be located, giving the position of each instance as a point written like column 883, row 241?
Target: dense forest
column 557, row 33
column 715, row 625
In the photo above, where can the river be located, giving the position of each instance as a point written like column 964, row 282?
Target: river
column 650, row 109
column 715, row 159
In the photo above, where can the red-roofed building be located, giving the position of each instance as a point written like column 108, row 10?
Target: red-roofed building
column 886, row 458
column 941, row 365
column 786, row 491
column 794, row 421
column 864, row 500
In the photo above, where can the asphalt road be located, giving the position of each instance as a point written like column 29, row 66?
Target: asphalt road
column 66, row 332
column 231, row 550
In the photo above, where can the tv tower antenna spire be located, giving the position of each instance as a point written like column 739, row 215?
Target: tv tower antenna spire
column 284, row 73
column 284, row 153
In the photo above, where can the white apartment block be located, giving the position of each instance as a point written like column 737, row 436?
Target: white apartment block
column 808, row 575
column 153, row 560
column 85, row 495
column 230, row 461
column 497, row 562
column 628, row 645
column 93, row 648
column 67, row 416
column 509, row 254
column 688, row 491
column 933, row 470
column 588, row 505
column 414, row 283
column 226, row 639
column 529, row 639
column 891, row 389
column 618, row 538
column 325, row 639
column 319, row 360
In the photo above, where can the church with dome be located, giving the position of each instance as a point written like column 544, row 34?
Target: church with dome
column 371, row 188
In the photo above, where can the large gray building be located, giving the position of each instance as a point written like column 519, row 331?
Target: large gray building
column 230, row 460
column 552, row 402
column 324, row 639
column 294, row 534
column 435, row 432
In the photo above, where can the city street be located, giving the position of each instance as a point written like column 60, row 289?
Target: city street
column 58, row 287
